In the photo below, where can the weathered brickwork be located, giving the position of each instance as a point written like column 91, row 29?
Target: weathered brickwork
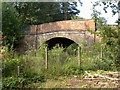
column 75, row 30
column 76, row 25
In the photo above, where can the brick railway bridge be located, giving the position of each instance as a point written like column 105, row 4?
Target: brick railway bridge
column 61, row 32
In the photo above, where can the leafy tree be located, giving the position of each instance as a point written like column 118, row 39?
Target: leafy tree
column 0, row 23
column 107, row 4
column 115, row 6
column 109, row 35
column 43, row 12
column 11, row 25
column 118, row 13
column 37, row 12
column 69, row 9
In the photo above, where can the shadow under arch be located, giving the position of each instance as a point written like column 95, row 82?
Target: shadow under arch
column 61, row 41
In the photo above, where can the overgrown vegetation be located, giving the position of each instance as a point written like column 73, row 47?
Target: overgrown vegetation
column 61, row 62
column 11, row 26
column 24, row 71
column 27, row 70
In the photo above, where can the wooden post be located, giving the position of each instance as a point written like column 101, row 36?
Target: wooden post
column 79, row 59
column 79, row 56
column 46, row 58
column 95, row 31
column 36, row 40
column 101, row 54
column 18, row 70
column 36, row 36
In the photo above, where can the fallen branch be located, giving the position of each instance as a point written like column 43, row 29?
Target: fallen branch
column 88, row 74
column 98, row 75
column 106, row 77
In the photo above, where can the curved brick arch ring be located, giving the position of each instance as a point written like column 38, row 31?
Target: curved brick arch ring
column 61, row 34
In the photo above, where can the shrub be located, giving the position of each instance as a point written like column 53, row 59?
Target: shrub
column 10, row 66
column 21, row 82
column 13, row 83
column 73, row 70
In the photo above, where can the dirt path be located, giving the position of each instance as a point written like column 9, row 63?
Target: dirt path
column 76, row 82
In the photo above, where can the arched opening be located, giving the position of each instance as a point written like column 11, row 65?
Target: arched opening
column 61, row 41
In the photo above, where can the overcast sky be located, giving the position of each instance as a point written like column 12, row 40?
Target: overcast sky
column 86, row 11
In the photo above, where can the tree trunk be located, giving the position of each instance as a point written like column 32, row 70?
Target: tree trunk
column 65, row 9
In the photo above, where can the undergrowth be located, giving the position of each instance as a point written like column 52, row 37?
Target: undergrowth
column 30, row 67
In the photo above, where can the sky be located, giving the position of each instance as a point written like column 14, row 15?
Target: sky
column 86, row 11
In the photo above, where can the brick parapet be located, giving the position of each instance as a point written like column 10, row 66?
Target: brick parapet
column 77, row 25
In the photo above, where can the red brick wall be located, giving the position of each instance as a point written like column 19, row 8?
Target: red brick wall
column 63, row 25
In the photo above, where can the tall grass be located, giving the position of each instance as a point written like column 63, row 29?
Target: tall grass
column 30, row 67
column 61, row 61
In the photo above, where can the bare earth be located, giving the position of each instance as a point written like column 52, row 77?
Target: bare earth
column 75, row 81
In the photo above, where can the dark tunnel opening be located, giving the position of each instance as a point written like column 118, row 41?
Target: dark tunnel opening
column 63, row 42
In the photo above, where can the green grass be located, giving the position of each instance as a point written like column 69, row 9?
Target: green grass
column 61, row 62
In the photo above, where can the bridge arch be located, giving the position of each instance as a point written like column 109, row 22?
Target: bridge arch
column 62, row 41
column 69, row 30
column 62, row 37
